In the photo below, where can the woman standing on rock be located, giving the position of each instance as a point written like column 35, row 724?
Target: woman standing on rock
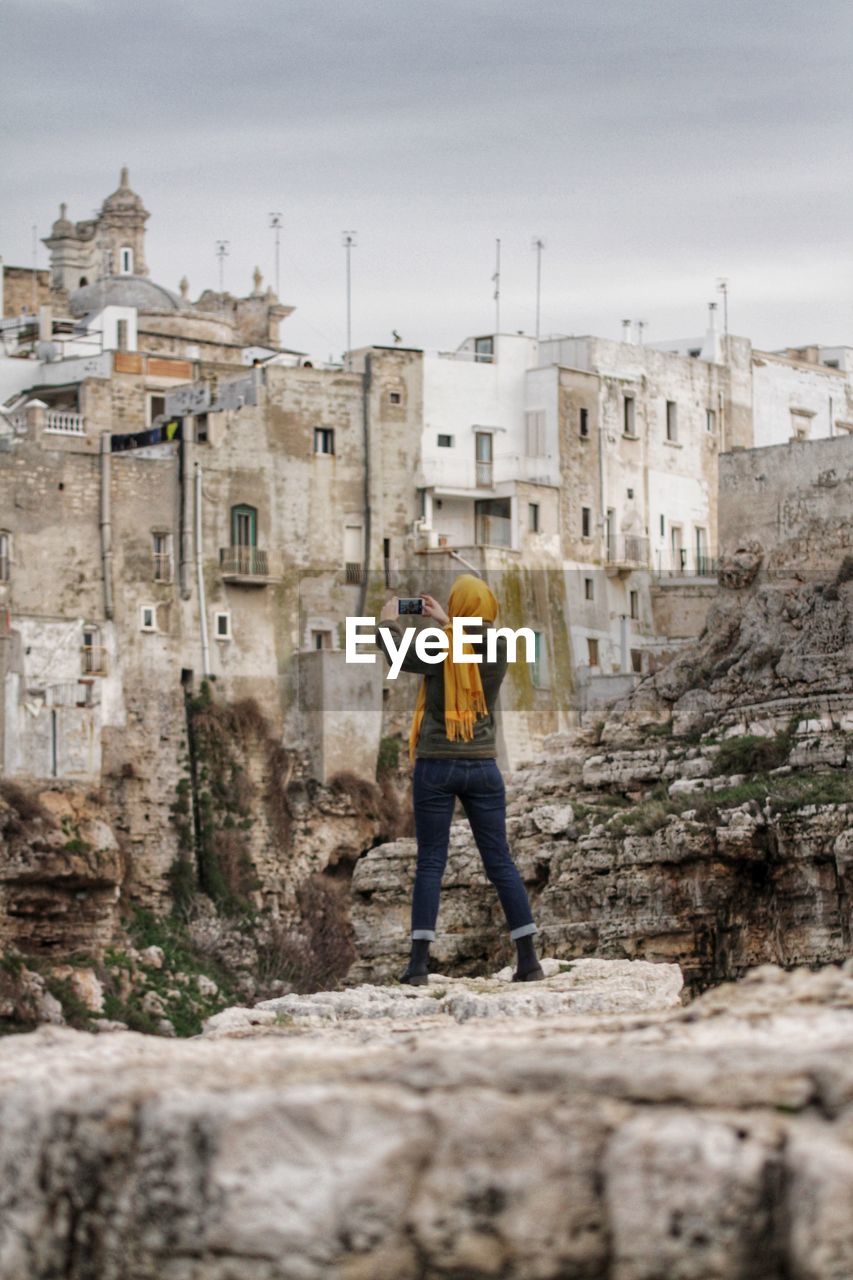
column 452, row 744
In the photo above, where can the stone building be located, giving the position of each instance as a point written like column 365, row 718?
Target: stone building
column 578, row 474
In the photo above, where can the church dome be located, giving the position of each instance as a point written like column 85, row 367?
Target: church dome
column 124, row 291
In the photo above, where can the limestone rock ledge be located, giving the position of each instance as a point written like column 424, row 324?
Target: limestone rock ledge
column 710, row 1141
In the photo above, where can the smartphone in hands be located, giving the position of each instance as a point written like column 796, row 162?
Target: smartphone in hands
column 410, row 604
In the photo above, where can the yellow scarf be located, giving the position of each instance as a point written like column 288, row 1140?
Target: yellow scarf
column 464, row 699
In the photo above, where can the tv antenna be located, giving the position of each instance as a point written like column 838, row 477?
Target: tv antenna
column 275, row 223
column 222, row 247
column 642, row 325
column 496, row 281
column 348, row 240
column 723, row 288
column 538, row 244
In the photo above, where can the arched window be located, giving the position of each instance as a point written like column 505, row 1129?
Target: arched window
column 83, row 282
column 125, row 258
column 244, row 526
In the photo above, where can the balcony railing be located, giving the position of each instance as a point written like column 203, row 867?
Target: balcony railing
column 65, row 424
column 93, row 660
column 493, row 531
column 679, row 562
column 162, row 566
column 627, row 550
column 243, row 562
column 466, row 473
column 485, row 475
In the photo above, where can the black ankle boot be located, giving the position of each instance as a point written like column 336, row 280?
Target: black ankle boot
column 529, row 969
column 417, row 971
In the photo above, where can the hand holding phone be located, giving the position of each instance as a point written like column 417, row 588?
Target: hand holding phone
column 410, row 604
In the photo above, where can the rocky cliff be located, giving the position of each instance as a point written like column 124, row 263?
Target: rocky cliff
column 593, row 1129
column 706, row 821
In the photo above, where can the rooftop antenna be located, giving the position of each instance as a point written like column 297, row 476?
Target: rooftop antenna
column 496, row 281
column 348, row 240
column 723, row 288
column 626, row 331
column 538, row 244
column 275, row 223
column 35, row 268
column 222, row 253
column 642, row 325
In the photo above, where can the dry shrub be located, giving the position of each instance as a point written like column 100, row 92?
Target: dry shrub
column 25, row 805
column 234, row 863
column 247, row 719
column 364, row 795
column 318, row 956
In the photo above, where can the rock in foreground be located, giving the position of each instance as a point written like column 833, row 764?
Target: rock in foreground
column 696, row 1143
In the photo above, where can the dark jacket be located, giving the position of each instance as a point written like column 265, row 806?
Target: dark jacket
column 433, row 742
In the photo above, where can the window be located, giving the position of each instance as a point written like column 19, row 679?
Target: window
column 483, row 455
column 121, row 335
column 634, row 600
column 533, row 516
column 671, row 422
column 710, row 420
column 394, row 397
column 583, row 424
column 321, row 639
column 161, row 548
column 484, row 350
column 324, row 440
column 5, row 556
column 628, row 418
column 445, row 442
column 244, row 526
column 84, row 280
column 586, row 522
column 386, row 560
column 592, row 650
column 663, row 526
column 630, row 494
column 91, row 652
column 588, row 589
column 353, row 552
column 539, row 672
column 201, row 428
column 535, row 427
column 222, row 625
column 156, row 407
column 831, row 364
column 148, row 617
column 125, row 257
column 637, row 661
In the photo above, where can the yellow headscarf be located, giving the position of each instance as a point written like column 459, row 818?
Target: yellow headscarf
column 464, row 699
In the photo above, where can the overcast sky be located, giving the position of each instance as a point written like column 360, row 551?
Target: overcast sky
column 654, row 146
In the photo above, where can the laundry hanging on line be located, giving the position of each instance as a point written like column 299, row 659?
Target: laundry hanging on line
column 154, row 435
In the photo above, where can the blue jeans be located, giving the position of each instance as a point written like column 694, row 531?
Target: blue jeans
column 480, row 787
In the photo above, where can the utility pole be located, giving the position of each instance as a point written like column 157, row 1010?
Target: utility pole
column 35, row 267
column 275, row 223
column 222, row 254
column 496, row 280
column 538, row 244
column 348, row 240
column 723, row 288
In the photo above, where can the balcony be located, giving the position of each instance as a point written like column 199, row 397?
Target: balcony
column 93, row 660
column 162, row 566
column 60, row 423
column 493, row 531
column 456, row 475
column 246, row 566
column 679, row 563
column 625, row 552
